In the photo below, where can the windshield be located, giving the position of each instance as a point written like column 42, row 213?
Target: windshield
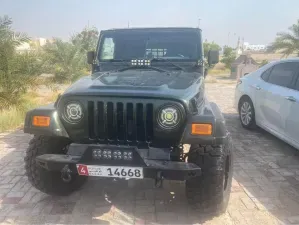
column 132, row 45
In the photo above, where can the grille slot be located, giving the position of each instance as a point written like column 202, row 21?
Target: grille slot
column 123, row 122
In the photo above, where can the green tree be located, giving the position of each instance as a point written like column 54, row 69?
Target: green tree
column 18, row 72
column 229, row 56
column 287, row 42
column 67, row 60
column 86, row 40
column 64, row 60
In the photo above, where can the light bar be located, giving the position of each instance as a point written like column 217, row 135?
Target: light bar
column 109, row 154
column 140, row 62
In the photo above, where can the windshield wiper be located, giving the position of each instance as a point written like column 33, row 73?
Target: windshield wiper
column 166, row 60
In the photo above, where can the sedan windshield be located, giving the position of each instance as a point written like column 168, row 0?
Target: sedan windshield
column 149, row 45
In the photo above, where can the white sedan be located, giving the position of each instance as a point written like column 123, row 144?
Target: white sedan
column 269, row 98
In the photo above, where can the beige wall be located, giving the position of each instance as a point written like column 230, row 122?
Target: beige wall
column 259, row 57
column 240, row 70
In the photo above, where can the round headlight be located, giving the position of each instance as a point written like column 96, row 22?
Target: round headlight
column 73, row 113
column 169, row 117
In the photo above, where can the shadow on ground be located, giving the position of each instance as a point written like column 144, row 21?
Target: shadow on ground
column 265, row 187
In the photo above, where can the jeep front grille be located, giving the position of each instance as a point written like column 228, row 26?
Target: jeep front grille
column 125, row 122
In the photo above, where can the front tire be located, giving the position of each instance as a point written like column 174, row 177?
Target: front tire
column 48, row 181
column 210, row 192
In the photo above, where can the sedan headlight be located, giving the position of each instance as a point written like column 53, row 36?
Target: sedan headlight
column 169, row 117
column 73, row 113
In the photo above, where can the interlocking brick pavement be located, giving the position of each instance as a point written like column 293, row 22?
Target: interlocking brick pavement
column 265, row 187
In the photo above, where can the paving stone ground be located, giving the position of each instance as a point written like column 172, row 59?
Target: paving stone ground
column 265, row 187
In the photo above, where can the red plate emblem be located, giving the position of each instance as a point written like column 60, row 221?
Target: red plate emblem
column 82, row 170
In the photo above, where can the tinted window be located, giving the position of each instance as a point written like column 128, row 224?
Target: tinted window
column 265, row 75
column 282, row 74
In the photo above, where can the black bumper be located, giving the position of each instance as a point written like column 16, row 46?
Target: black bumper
column 169, row 170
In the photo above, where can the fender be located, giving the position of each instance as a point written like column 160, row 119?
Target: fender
column 209, row 114
column 55, row 129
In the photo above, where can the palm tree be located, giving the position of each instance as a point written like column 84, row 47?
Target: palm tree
column 17, row 71
column 67, row 60
column 64, row 60
column 287, row 43
column 86, row 40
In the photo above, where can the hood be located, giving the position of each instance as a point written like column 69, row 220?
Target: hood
column 137, row 83
column 145, row 78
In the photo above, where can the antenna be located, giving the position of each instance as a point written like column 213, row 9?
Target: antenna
column 199, row 22
column 128, row 24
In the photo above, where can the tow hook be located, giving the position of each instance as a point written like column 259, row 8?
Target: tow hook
column 159, row 180
column 66, row 174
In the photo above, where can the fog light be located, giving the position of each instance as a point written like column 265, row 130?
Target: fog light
column 106, row 154
column 130, row 155
column 97, row 153
column 117, row 154
column 127, row 155
column 94, row 152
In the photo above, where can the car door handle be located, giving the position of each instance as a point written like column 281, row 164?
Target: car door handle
column 290, row 98
column 258, row 87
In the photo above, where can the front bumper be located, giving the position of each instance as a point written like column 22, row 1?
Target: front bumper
column 155, row 162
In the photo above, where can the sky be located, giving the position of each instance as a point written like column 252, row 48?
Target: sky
column 222, row 21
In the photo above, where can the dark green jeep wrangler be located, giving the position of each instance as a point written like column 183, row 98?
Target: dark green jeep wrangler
column 142, row 113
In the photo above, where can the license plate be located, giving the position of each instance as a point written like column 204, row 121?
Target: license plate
column 110, row 171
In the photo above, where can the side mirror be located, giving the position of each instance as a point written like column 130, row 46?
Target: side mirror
column 213, row 57
column 90, row 57
column 205, row 73
column 245, row 74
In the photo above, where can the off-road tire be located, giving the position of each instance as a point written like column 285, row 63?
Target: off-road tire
column 48, row 181
column 210, row 192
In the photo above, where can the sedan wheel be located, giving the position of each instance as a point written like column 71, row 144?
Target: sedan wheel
column 246, row 112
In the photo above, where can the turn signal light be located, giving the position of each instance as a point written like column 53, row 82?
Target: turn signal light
column 201, row 129
column 41, row 121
